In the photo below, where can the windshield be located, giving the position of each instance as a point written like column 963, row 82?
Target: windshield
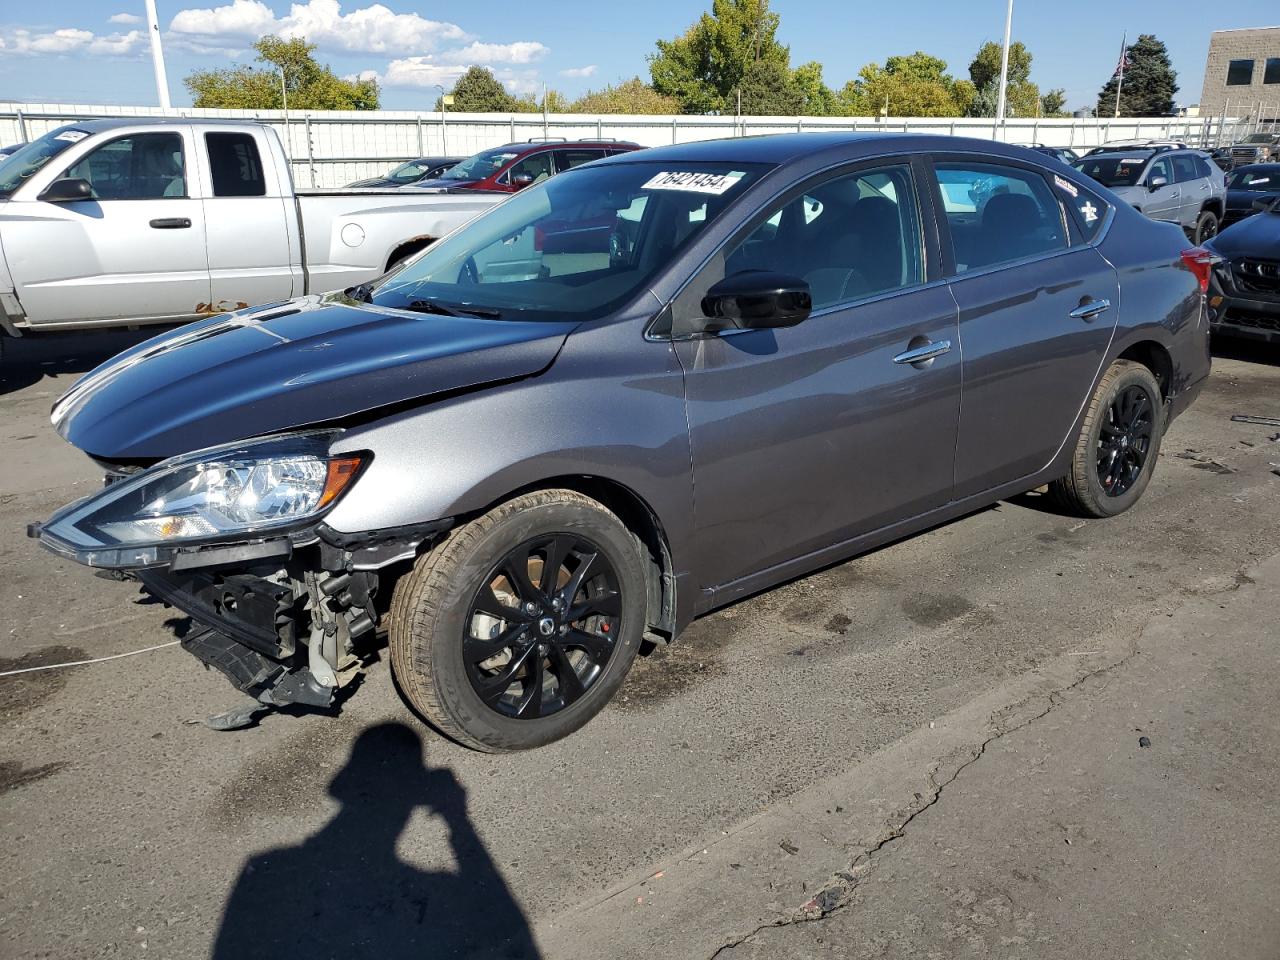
column 574, row 247
column 1113, row 171
column 482, row 165
column 409, row 172
column 1266, row 180
column 21, row 165
column 1259, row 138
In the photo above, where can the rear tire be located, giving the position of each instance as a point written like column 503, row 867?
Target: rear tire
column 474, row 676
column 1118, row 445
column 1206, row 227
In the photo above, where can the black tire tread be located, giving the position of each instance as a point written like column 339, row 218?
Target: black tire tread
column 415, row 608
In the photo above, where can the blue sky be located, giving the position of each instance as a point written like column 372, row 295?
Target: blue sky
column 95, row 51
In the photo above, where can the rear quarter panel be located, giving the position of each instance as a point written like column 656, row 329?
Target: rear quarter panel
column 348, row 237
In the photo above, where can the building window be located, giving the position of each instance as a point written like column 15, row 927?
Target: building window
column 1239, row 73
column 1272, row 73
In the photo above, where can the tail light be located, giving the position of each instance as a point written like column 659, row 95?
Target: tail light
column 1200, row 262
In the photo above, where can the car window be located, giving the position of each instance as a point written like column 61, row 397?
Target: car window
column 998, row 213
column 1266, row 180
column 1184, row 168
column 235, row 165
column 1085, row 207
column 536, row 166
column 145, row 166
column 568, row 159
column 849, row 237
column 1161, row 168
column 1113, row 171
column 573, row 247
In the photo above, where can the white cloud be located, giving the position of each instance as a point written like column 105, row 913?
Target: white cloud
column 416, row 72
column 125, row 18
column 587, row 71
column 522, row 51
column 70, row 40
column 371, row 29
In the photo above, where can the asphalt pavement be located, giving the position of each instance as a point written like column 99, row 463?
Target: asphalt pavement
column 930, row 750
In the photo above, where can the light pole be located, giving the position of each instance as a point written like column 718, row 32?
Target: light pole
column 157, row 55
column 284, row 98
column 1004, row 64
column 444, row 124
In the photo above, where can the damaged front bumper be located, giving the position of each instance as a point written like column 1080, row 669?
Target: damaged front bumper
column 284, row 618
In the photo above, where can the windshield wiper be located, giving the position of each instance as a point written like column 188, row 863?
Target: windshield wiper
column 431, row 306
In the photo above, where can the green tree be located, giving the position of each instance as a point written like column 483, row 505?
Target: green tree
column 1021, row 95
column 1053, row 103
column 767, row 91
column 311, row 85
column 985, row 66
column 1149, row 82
column 916, row 85
column 630, row 96
column 478, row 91
column 705, row 66
column 816, row 98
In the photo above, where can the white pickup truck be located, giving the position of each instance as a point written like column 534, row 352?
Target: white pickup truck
column 128, row 222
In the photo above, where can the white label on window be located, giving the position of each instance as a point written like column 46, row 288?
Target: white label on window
column 1066, row 185
column 71, row 136
column 1254, row 183
column 713, row 183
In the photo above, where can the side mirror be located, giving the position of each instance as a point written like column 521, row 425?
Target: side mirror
column 758, row 299
column 1155, row 183
column 521, row 180
column 66, row 190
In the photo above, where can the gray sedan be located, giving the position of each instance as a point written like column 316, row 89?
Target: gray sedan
column 631, row 394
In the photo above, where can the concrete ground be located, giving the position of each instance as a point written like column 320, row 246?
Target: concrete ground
column 932, row 750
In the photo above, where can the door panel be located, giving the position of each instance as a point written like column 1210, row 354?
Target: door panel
column 247, row 216
column 808, row 436
column 1028, row 365
column 137, row 250
column 1164, row 203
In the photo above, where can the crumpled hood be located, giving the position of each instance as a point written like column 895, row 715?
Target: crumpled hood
column 287, row 365
column 1255, row 236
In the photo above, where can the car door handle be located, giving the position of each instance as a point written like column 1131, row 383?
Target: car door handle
column 925, row 353
column 171, row 223
column 1087, row 311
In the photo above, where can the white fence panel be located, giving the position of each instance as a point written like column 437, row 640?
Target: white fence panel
column 332, row 148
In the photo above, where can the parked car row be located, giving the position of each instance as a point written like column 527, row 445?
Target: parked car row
column 633, row 392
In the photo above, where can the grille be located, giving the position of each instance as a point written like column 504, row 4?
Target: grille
column 1262, row 276
column 1248, row 318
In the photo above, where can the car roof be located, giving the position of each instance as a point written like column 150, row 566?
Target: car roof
column 1260, row 167
column 560, row 144
column 113, row 123
column 784, row 148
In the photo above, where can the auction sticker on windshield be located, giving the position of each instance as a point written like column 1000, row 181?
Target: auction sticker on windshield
column 714, row 183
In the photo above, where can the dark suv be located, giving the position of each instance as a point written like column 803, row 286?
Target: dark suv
column 515, row 166
column 1166, row 183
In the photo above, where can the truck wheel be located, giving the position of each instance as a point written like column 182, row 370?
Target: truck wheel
column 1206, row 227
column 521, row 626
column 1118, row 444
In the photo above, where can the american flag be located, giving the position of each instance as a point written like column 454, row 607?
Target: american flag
column 1123, row 64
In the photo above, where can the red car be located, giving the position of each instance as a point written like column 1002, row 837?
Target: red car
column 516, row 165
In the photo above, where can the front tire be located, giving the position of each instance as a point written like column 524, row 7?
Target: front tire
column 522, row 625
column 1118, row 444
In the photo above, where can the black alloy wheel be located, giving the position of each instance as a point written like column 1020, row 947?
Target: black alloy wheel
column 542, row 626
column 1124, row 442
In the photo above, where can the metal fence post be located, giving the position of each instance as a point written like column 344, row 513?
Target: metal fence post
column 421, row 151
column 599, row 128
column 513, row 129
column 673, row 129
column 311, row 155
column 22, row 128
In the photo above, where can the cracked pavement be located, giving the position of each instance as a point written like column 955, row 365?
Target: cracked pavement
column 931, row 750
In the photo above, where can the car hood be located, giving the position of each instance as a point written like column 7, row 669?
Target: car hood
column 443, row 184
column 372, row 182
column 284, row 366
column 1256, row 236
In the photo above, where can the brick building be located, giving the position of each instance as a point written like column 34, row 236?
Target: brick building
column 1242, row 73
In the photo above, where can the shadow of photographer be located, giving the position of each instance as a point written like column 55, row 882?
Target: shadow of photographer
column 344, row 892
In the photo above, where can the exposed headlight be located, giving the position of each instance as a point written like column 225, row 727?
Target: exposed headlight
column 229, row 492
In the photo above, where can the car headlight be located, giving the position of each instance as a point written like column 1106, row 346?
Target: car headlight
column 245, row 489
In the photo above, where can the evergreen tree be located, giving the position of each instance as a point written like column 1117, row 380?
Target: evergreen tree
column 1149, row 82
column 478, row 91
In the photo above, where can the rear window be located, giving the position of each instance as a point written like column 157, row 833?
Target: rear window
column 235, row 165
column 1114, row 171
column 1264, row 181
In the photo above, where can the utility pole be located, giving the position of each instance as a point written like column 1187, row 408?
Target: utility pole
column 284, row 98
column 1124, row 50
column 1004, row 64
column 157, row 55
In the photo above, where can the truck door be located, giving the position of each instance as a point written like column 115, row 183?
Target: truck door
column 247, row 210
column 134, row 250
